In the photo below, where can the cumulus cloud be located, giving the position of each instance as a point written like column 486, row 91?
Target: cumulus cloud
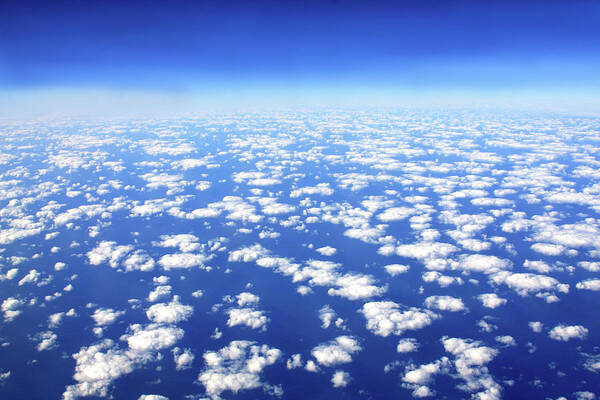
column 340, row 379
column 236, row 367
column 249, row 317
column 337, row 351
column 491, row 300
column 567, row 332
column 106, row 316
column 386, row 317
column 169, row 313
column 527, row 283
column 182, row 260
column 445, row 303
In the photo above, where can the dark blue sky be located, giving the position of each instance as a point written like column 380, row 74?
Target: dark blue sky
column 187, row 46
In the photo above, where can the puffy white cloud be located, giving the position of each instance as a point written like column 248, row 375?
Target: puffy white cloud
column 151, row 338
column 482, row 263
column 567, row 332
column 589, row 284
column 295, row 361
column 183, row 358
column 470, row 359
column 356, row 287
column 248, row 254
column 442, row 280
column 186, row 243
column 506, row 340
column 407, row 345
column 249, row 317
column 548, row 249
column 340, row 379
column 10, row 308
column 96, row 367
column 491, row 300
column 246, row 298
column 236, row 367
column 327, row 251
column 385, row 318
column 159, row 292
column 31, row 277
column 426, row 250
column 396, row 269
column 337, row 351
column 169, row 313
column 396, row 214
column 106, row 316
column 322, row 189
column 183, row 260
column 152, row 397
column 526, row 283
column 108, row 251
column 535, row 326
column 47, row 341
column 327, row 316
column 445, row 303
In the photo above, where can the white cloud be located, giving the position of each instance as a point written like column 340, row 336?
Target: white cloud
column 340, row 379
column 396, row 269
column 526, row 283
column 182, row 260
column 482, row 263
column 445, row 303
column 491, row 300
column 322, row 189
column 337, row 351
column 327, row 316
column 589, row 284
column 249, row 317
column 159, row 292
column 183, row 358
column 548, row 249
column 152, row 397
column 568, row 332
column 535, row 326
column 407, row 345
column 10, row 308
column 396, row 214
column 169, row 313
column 31, row 277
column 327, row 251
column 386, row 317
column 106, row 316
column 236, row 367
column 47, row 341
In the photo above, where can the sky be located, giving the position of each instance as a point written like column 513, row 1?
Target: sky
column 227, row 51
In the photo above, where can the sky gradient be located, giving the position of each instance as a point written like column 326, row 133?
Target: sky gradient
column 311, row 49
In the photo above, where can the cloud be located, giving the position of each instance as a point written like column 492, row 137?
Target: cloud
column 337, row 351
column 589, row 284
column 445, row 303
column 10, row 308
column 407, row 345
column 236, row 367
column 340, row 379
column 385, row 318
column 106, row 316
column 395, row 214
column 567, row 332
column 526, row 283
column 169, row 313
column 327, row 251
column 183, row 358
column 396, row 269
column 183, row 261
column 322, row 189
column 491, row 300
column 249, row 317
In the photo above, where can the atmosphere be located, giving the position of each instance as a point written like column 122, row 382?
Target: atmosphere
column 306, row 49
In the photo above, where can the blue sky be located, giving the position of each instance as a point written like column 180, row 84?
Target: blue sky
column 233, row 49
